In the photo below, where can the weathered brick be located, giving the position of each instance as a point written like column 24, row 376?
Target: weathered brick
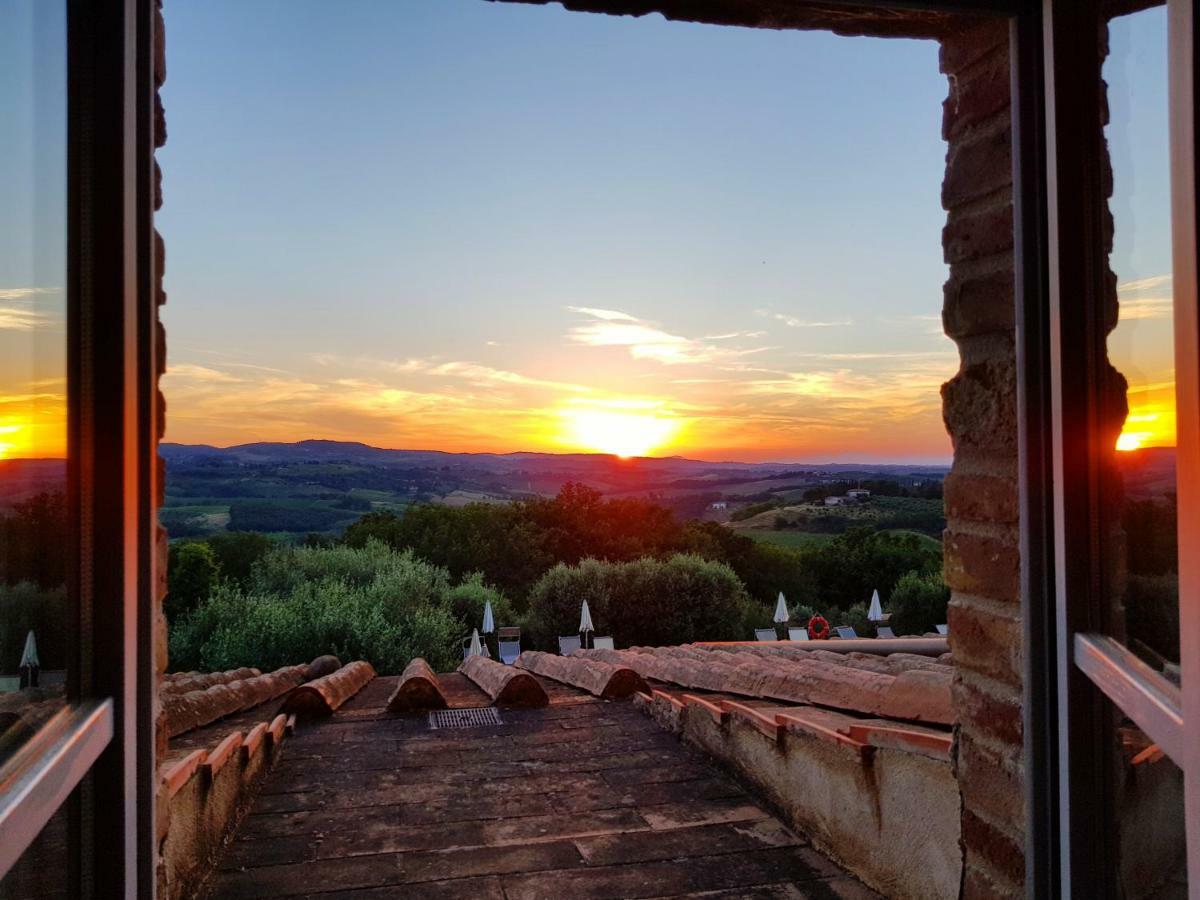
column 986, row 565
column 990, row 784
column 160, row 121
column 978, row 168
column 160, row 348
column 977, row 97
column 1000, row 850
column 979, row 406
column 979, row 884
column 977, row 236
column 986, row 642
column 983, row 304
column 981, row 498
column 960, row 50
column 993, row 713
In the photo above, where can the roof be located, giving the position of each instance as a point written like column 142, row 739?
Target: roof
column 581, row 798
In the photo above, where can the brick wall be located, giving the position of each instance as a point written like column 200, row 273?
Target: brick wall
column 160, row 297
column 979, row 406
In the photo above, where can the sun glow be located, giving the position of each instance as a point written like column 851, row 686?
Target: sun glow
column 7, row 440
column 622, row 432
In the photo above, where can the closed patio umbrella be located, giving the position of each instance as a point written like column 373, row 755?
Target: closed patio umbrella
column 875, row 613
column 585, row 622
column 30, row 657
column 781, row 611
column 476, row 648
column 489, row 621
column 29, row 663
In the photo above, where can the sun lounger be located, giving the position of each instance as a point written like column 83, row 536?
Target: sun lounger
column 884, row 632
column 846, row 633
column 603, row 643
column 568, row 644
column 509, row 640
column 765, row 634
column 797, row 634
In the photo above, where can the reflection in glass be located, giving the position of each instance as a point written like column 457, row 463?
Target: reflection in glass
column 1142, row 345
column 33, row 522
column 1143, row 582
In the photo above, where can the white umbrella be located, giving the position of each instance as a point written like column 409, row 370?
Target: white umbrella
column 30, row 657
column 875, row 613
column 489, row 621
column 476, row 648
column 585, row 621
column 781, row 611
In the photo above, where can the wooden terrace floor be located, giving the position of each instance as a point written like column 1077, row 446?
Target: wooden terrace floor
column 583, row 799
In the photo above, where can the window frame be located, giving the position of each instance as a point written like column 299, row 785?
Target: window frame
column 1077, row 676
column 95, row 759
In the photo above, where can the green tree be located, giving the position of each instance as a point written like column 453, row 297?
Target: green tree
column 236, row 552
column 918, row 603
column 192, row 575
column 642, row 602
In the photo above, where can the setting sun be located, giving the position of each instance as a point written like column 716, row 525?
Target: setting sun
column 622, row 433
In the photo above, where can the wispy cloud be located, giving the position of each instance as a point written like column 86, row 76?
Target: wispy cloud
column 796, row 322
column 646, row 340
column 23, row 293
column 1143, row 284
column 20, row 318
column 1146, row 308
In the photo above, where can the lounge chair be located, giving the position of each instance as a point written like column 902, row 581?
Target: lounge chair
column 765, row 634
column 846, row 633
column 943, row 629
column 509, row 640
column 568, row 644
column 603, row 643
column 797, row 634
column 884, row 632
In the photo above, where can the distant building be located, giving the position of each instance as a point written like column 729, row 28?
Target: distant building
column 859, row 494
column 835, row 501
column 720, row 504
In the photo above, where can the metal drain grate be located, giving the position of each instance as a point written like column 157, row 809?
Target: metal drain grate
column 464, row 718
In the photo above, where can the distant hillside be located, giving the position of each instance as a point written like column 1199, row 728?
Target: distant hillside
column 321, row 486
column 21, row 479
column 1149, row 472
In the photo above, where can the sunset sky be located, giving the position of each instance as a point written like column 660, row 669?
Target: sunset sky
column 459, row 225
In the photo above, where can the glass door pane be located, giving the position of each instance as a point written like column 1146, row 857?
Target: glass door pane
column 35, row 613
column 1139, row 506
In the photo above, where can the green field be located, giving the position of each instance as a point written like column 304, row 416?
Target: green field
column 790, row 538
column 807, row 538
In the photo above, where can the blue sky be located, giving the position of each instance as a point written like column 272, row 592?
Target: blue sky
column 481, row 226
column 471, row 225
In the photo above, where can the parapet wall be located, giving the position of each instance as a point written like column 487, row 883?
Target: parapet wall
column 884, row 804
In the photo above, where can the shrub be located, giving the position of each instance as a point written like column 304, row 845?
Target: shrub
column 369, row 603
column 192, row 573
column 856, row 617
column 645, row 602
column 918, row 603
column 468, row 599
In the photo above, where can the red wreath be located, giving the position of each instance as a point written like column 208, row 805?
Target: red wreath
column 818, row 628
